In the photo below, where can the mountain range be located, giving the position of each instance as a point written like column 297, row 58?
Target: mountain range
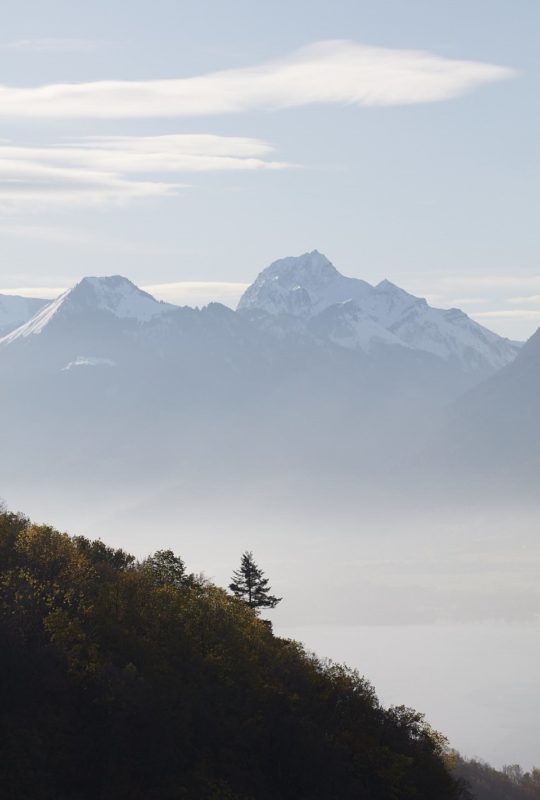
column 314, row 370
column 304, row 296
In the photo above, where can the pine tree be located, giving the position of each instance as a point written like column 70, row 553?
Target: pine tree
column 250, row 585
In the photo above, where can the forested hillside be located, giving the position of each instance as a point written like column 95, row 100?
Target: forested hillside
column 486, row 783
column 125, row 679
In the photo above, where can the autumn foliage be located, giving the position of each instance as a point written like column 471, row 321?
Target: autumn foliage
column 125, row 679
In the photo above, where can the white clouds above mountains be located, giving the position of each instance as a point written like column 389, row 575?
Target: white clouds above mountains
column 339, row 71
column 51, row 45
column 506, row 313
column 101, row 170
column 182, row 293
column 116, row 170
column 198, row 293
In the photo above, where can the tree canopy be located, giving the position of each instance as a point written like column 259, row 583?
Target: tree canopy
column 125, row 680
column 486, row 783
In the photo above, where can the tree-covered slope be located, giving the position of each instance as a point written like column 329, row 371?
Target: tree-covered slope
column 486, row 783
column 121, row 679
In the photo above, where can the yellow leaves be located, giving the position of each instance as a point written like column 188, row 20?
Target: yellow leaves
column 52, row 555
column 68, row 633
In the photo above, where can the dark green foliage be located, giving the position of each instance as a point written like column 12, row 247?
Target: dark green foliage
column 486, row 783
column 250, row 585
column 166, row 569
column 115, row 685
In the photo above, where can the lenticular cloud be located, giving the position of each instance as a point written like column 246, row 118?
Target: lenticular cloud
column 342, row 72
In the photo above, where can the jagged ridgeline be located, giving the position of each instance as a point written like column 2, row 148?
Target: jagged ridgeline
column 119, row 679
column 345, row 382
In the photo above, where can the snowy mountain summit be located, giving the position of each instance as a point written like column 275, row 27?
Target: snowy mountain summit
column 115, row 297
column 303, row 285
column 362, row 315
column 296, row 300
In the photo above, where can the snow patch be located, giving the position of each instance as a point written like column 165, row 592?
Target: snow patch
column 89, row 361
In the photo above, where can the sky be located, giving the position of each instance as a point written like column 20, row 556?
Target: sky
column 186, row 145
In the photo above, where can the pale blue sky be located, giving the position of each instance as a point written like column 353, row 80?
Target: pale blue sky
column 435, row 186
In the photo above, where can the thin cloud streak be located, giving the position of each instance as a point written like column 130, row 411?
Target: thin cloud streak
column 55, row 234
column 52, row 45
column 533, row 298
column 508, row 313
column 101, row 170
column 327, row 72
column 198, row 293
column 491, row 281
column 42, row 292
column 191, row 293
column 201, row 293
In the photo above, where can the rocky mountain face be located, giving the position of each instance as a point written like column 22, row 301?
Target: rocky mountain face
column 362, row 315
column 324, row 376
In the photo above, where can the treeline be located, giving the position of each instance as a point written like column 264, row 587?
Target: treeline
column 136, row 680
column 486, row 783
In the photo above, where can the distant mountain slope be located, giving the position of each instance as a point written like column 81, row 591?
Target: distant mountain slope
column 337, row 379
column 15, row 311
column 115, row 296
column 494, row 427
column 308, row 285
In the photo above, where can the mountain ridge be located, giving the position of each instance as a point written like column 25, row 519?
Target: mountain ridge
column 115, row 295
column 309, row 284
column 304, row 288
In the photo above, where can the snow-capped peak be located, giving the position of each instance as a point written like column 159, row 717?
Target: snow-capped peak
column 302, row 285
column 115, row 296
column 307, row 285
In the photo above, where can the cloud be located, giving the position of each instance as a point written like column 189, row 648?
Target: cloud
column 52, row 45
column 509, row 313
column 328, row 72
column 43, row 292
column 95, row 171
column 532, row 298
column 198, row 293
column 468, row 301
column 491, row 281
column 64, row 235
column 56, row 234
column 182, row 293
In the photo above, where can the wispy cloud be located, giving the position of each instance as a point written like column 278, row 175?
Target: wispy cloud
column 96, row 171
column 182, row 293
column 68, row 235
column 468, row 301
column 337, row 71
column 52, row 45
column 515, row 281
column 198, row 293
column 509, row 313
column 55, row 234
column 43, row 292
column 532, row 298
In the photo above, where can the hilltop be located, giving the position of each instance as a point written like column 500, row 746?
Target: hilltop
column 124, row 679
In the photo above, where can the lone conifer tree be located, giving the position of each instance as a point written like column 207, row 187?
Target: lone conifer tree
column 250, row 585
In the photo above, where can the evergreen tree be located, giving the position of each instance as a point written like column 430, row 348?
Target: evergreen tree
column 250, row 585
